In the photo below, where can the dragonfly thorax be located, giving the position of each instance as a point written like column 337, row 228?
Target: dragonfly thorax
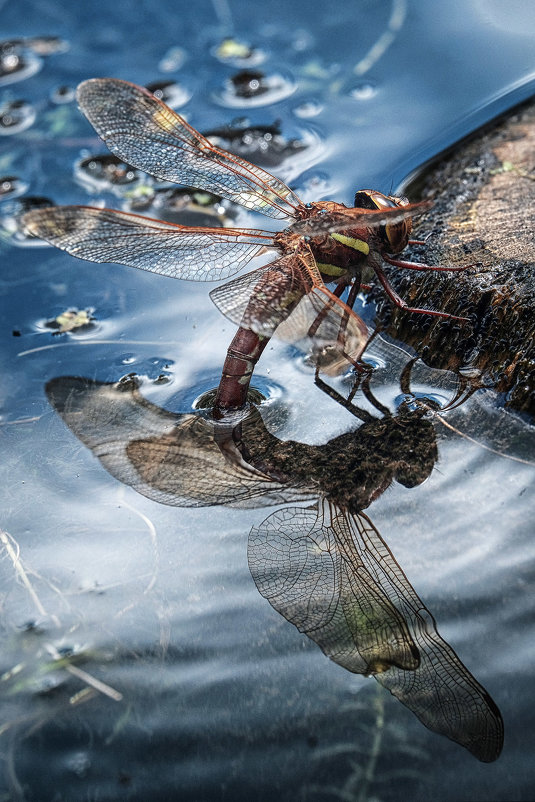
column 335, row 252
column 341, row 252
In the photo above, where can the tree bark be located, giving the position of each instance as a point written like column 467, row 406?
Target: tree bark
column 483, row 214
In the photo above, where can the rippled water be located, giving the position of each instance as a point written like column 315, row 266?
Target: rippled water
column 209, row 693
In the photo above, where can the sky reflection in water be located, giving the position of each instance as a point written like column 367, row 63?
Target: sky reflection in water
column 221, row 696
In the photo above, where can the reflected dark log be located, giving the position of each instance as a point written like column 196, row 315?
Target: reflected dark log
column 483, row 213
column 324, row 567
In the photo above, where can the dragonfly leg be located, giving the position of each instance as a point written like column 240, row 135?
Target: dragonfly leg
column 401, row 304
column 367, row 393
column 363, row 369
column 337, row 292
column 422, row 266
column 359, row 413
column 353, row 292
column 405, row 378
column 340, row 287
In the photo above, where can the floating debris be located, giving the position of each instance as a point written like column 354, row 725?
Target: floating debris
column 239, row 53
column 15, row 116
column 63, row 94
column 102, row 172
column 72, row 320
column 15, row 64
column 182, row 205
column 11, row 227
column 170, row 92
column 249, row 83
column 20, row 58
column 253, row 88
column 262, row 144
column 11, row 187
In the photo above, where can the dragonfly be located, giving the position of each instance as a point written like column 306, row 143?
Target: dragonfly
column 323, row 242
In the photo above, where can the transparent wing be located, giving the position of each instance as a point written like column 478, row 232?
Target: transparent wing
column 324, row 326
column 105, row 235
column 299, row 566
column 146, row 133
column 331, row 574
column 263, row 298
column 289, row 299
column 325, row 222
column 441, row 691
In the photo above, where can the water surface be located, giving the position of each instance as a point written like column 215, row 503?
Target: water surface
column 221, row 697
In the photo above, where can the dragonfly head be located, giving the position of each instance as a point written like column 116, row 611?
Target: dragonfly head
column 394, row 236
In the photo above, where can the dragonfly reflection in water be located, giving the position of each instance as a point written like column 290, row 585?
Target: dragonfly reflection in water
column 324, row 241
column 324, row 567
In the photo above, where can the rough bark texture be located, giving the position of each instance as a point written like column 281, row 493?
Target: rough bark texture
column 484, row 212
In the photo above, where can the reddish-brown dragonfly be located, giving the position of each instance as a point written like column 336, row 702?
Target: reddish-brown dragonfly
column 323, row 242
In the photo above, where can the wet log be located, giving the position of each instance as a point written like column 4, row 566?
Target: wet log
column 483, row 191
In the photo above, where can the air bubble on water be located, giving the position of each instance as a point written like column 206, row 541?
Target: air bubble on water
column 63, row 94
column 173, row 59
column 310, row 108
column 15, row 66
column 260, row 91
column 16, row 116
column 170, row 92
column 363, row 91
column 12, row 187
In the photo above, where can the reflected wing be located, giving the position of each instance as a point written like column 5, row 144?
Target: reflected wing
column 301, row 568
column 441, row 692
column 105, row 235
column 146, row 133
column 325, row 222
column 289, row 299
column 332, row 575
column 172, row 459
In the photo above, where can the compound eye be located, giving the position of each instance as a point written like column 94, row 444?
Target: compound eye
column 396, row 236
column 365, row 199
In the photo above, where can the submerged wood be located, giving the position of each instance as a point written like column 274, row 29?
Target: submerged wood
column 483, row 192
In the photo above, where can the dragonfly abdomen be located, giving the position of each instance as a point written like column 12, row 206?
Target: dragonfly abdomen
column 242, row 356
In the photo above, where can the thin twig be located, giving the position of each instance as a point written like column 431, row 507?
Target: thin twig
column 93, row 682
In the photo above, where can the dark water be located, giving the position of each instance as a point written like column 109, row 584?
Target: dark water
column 222, row 699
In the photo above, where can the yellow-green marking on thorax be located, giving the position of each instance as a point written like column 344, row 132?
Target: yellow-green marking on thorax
column 353, row 242
column 330, row 270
